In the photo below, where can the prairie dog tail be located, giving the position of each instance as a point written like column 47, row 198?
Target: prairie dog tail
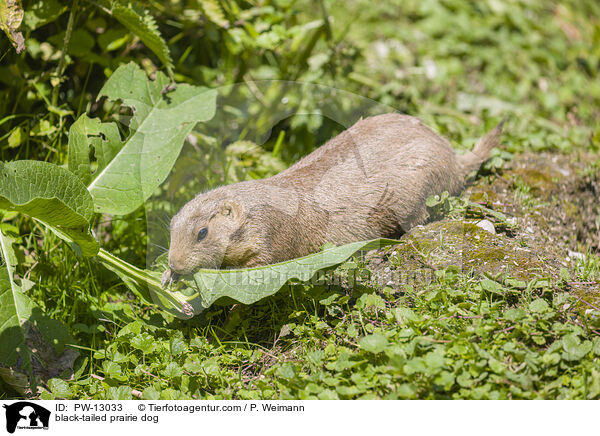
column 472, row 160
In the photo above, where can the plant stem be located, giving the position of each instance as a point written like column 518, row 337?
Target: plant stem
column 328, row 32
column 140, row 276
column 61, row 63
column 131, row 270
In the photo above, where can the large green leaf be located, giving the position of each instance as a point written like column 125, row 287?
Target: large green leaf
column 50, row 194
column 23, row 325
column 128, row 172
column 11, row 311
column 192, row 297
column 252, row 284
column 103, row 137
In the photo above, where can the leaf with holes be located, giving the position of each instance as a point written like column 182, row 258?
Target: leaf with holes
column 129, row 171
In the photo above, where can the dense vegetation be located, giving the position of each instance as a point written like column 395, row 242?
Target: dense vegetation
column 460, row 66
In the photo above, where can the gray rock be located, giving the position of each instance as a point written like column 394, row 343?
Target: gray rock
column 487, row 226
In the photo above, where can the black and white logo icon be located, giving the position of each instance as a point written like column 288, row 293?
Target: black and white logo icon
column 26, row 415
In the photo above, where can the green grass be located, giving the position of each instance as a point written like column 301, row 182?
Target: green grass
column 456, row 338
column 457, row 64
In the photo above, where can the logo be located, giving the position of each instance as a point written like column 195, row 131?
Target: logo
column 26, row 415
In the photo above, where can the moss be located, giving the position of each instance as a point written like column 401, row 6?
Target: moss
column 571, row 210
column 484, row 196
column 464, row 244
column 588, row 297
column 542, row 184
column 485, row 255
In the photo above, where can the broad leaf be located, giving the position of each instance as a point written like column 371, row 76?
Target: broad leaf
column 252, row 284
column 50, row 194
column 10, row 308
column 23, row 327
column 103, row 137
column 191, row 297
column 374, row 343
column 128, row 172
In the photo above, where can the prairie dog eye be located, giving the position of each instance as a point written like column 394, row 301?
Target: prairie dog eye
column 202, row 234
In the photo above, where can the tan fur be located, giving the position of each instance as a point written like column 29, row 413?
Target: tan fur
column 471, row 161
column 370, row 181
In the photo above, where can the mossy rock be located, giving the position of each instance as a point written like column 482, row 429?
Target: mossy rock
column 486, row 197
column 558, row 213
column 542, row 183
column 464, row 245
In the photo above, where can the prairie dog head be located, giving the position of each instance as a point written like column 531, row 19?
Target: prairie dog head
column 202, row 232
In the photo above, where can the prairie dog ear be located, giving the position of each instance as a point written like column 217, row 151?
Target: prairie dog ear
column 231, row 209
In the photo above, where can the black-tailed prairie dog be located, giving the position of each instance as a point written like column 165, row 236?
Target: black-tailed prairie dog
column 370, row 181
